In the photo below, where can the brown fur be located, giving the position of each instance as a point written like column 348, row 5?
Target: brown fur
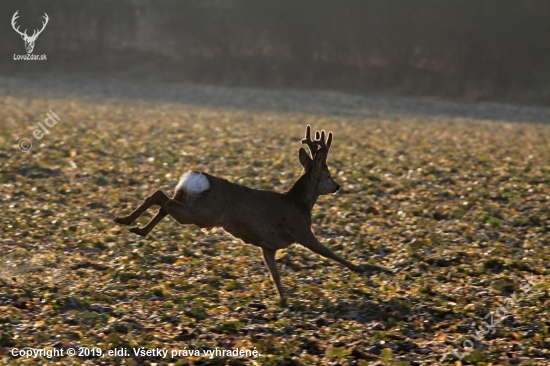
column 266, row 219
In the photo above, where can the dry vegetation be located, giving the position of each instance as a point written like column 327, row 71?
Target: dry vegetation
column 457, row 207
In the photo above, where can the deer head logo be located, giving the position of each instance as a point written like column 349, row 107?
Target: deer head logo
column 29, row 41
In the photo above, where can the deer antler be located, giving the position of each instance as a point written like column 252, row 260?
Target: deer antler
column 324, row 144
column 35, row 34
column 15, row 16
column 318, row 143
column 309, row 142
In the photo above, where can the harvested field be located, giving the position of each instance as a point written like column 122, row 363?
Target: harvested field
column 452, row 196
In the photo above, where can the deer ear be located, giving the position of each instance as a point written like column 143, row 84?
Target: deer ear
column 320, row 157
column 305, row 160
column 319, row 161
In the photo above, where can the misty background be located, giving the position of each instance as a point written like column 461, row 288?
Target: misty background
column 473, row 49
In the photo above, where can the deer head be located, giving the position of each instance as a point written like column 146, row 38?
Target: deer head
column 316, row 166
column 29, row 41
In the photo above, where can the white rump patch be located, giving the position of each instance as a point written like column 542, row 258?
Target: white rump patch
column 193, row 183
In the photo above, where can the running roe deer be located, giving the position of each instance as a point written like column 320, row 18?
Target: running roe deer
column 267, row 219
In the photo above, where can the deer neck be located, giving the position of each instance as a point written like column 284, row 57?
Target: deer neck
column 305, row 190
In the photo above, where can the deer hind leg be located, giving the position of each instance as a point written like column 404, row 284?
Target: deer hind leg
column 269, row 260
column 313, row 244
column 156, row 199
column 177, row 210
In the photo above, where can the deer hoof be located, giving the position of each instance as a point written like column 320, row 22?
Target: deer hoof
column 376, row 268
column 125, row 220
column 139, row 231
column 357, row 269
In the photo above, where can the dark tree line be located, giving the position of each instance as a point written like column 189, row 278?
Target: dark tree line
column 476, row 48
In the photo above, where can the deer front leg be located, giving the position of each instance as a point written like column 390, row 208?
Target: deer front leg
column 156, row 199
column 269, row 259
column 313, row 244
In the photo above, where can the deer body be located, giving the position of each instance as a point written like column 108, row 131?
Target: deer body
column 263, row 218
column 266, row 219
